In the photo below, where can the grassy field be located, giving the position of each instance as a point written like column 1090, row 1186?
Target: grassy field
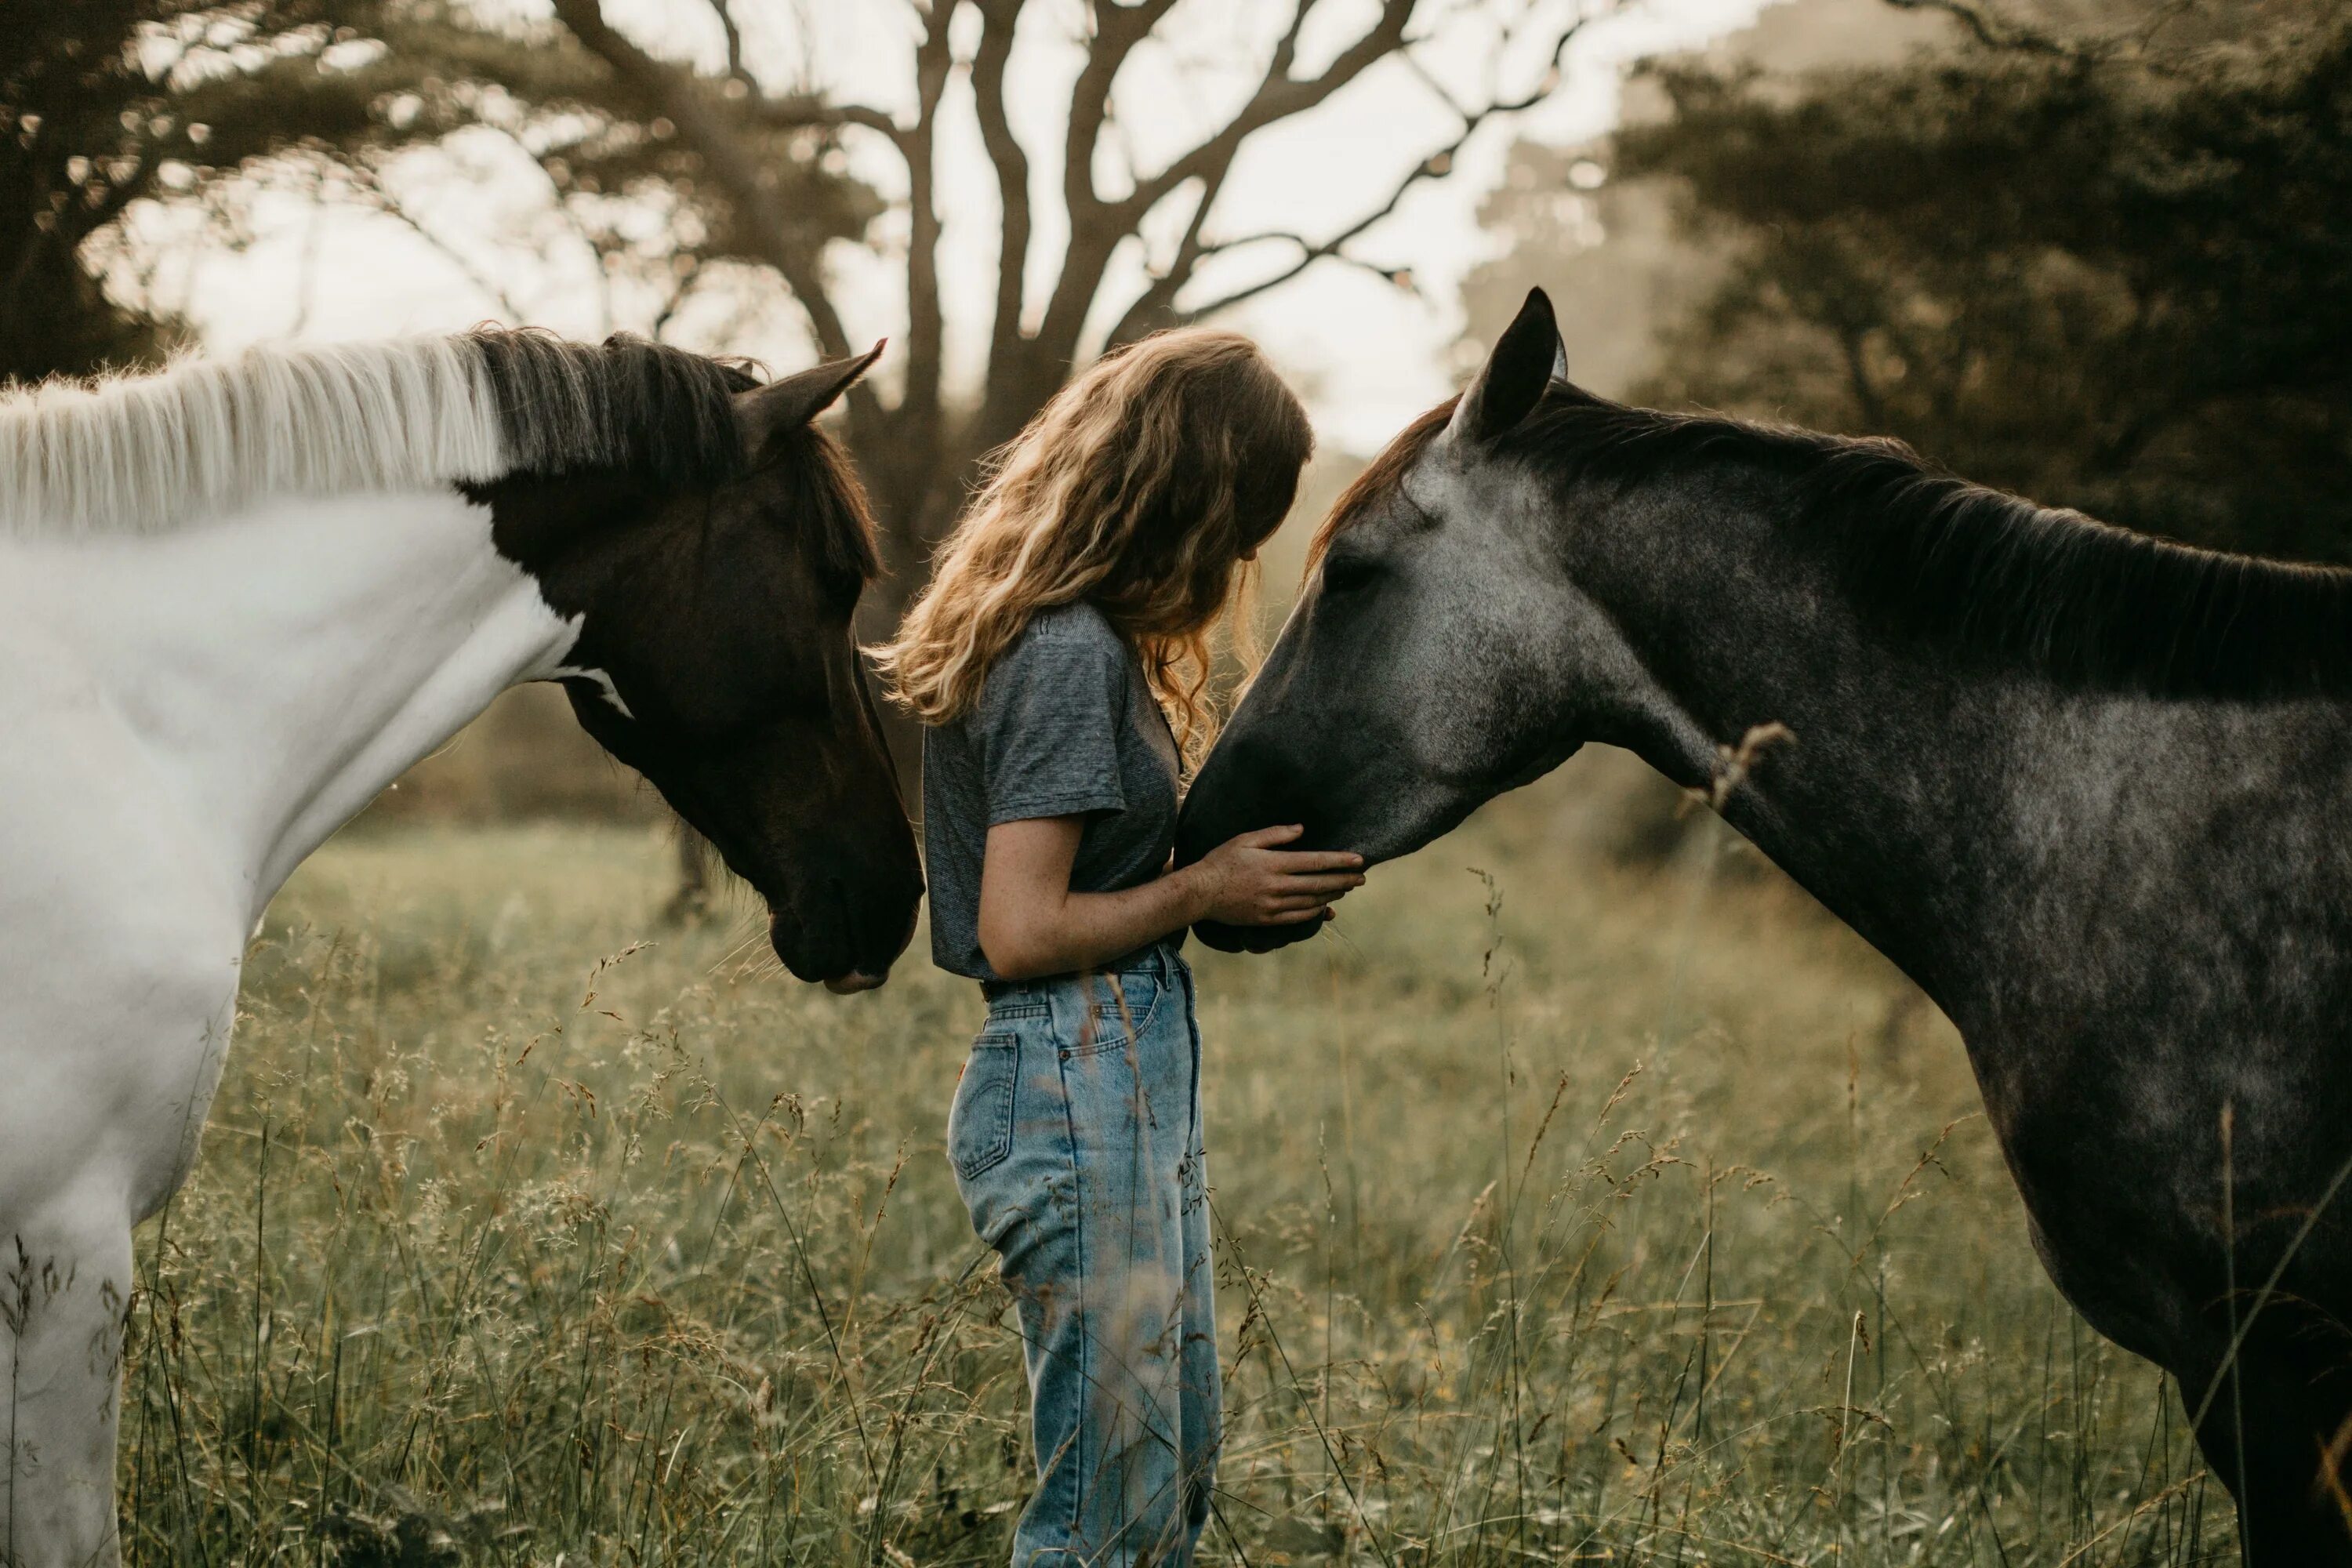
column 1567, row 1215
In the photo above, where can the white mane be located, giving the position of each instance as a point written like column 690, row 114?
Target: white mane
column 147, row 452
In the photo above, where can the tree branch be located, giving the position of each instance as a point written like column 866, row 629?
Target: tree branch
column 1278, row 97
column 1096, row 229
column 1437, row 166
column 1156, row 304
column 1309, row 253
column 1118, row 28
column 748, row 184
column 998, row 18
column 1095, row 226
column 919, row 410
column 367, row 184
column 1990, row 30
column 1398, row 277
column 679, row 295
column 800, row 112
column 734, row 33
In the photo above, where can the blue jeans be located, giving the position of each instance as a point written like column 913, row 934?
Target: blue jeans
column 1076, row 1143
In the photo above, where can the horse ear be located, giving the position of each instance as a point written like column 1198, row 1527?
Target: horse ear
column 792, row 401
column 1527, row 357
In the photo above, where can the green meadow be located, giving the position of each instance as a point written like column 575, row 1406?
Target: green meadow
column 1568, row 1211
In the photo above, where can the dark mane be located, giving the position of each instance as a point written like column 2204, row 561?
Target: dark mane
column 641, row 408
column 668, row 415
column 1983, row 572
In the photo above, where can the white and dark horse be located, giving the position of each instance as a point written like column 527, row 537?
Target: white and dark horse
column 236, row 600
column 2093, row 792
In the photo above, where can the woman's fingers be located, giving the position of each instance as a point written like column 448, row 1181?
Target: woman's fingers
column 1298, row 901
column 1293, row 886
column 1330, row 882
column 1293, row 862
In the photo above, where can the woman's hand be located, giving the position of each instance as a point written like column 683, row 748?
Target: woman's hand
column 1249, row 881
column 1032, row 924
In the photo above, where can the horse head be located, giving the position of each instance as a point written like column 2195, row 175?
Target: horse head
column 716, row 656
column 1439, row 653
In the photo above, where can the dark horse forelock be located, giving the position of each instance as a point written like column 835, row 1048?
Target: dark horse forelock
column 625, row 403
column 1990, row 575
column 665, row 413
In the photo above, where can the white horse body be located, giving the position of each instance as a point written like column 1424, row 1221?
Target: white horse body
column 188, row 714
column 237, row 600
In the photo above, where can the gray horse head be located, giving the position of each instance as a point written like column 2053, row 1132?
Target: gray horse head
column 1444, row 649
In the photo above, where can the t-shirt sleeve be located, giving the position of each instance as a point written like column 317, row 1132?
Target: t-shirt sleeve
column 1048, row 723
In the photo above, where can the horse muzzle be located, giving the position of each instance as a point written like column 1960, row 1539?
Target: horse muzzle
column 844, row 942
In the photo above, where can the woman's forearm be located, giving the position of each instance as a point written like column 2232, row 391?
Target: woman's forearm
column 1032, row 924
column 1041, row 936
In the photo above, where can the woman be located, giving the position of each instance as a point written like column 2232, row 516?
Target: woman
column 1061, row 659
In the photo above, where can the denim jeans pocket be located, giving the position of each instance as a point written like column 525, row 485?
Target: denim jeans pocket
column 980, row 1123
column 1124, row 1009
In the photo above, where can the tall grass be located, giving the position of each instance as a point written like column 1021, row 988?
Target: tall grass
column 1564, row 1215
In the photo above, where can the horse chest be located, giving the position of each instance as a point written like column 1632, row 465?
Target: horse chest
column 121, row 938
column 2161, row 1148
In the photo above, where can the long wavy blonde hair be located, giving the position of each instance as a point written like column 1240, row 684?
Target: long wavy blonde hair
column 1141, row 489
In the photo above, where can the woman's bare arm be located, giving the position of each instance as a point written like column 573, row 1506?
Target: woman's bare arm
column 1032, row 924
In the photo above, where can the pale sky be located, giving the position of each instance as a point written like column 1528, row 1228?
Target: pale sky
column 1366, row 354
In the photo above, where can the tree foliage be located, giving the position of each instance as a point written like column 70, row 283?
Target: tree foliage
column 2116, row 278
column 104, row 102
column 84, row 131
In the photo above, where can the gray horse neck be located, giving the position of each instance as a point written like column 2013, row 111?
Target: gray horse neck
column 1972, row 818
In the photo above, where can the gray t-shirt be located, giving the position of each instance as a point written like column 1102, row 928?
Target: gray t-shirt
column 1064, row 727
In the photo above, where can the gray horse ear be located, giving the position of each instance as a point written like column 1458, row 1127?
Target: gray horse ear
column 792, row 402
column 1525, row 359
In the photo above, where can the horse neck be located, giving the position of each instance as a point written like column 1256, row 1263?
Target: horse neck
column 1894, row 767
column 282, row 665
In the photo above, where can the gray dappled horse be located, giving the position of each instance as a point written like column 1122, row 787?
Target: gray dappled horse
column 2087, row 788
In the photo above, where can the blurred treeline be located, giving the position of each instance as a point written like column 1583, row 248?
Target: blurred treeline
column 2101, row 258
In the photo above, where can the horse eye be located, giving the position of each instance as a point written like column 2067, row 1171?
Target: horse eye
column 1344, row 574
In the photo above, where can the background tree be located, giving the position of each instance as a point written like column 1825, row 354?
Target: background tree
column 918, row 451
column 104, row 102
column 2115, row 275
column 91, row 115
